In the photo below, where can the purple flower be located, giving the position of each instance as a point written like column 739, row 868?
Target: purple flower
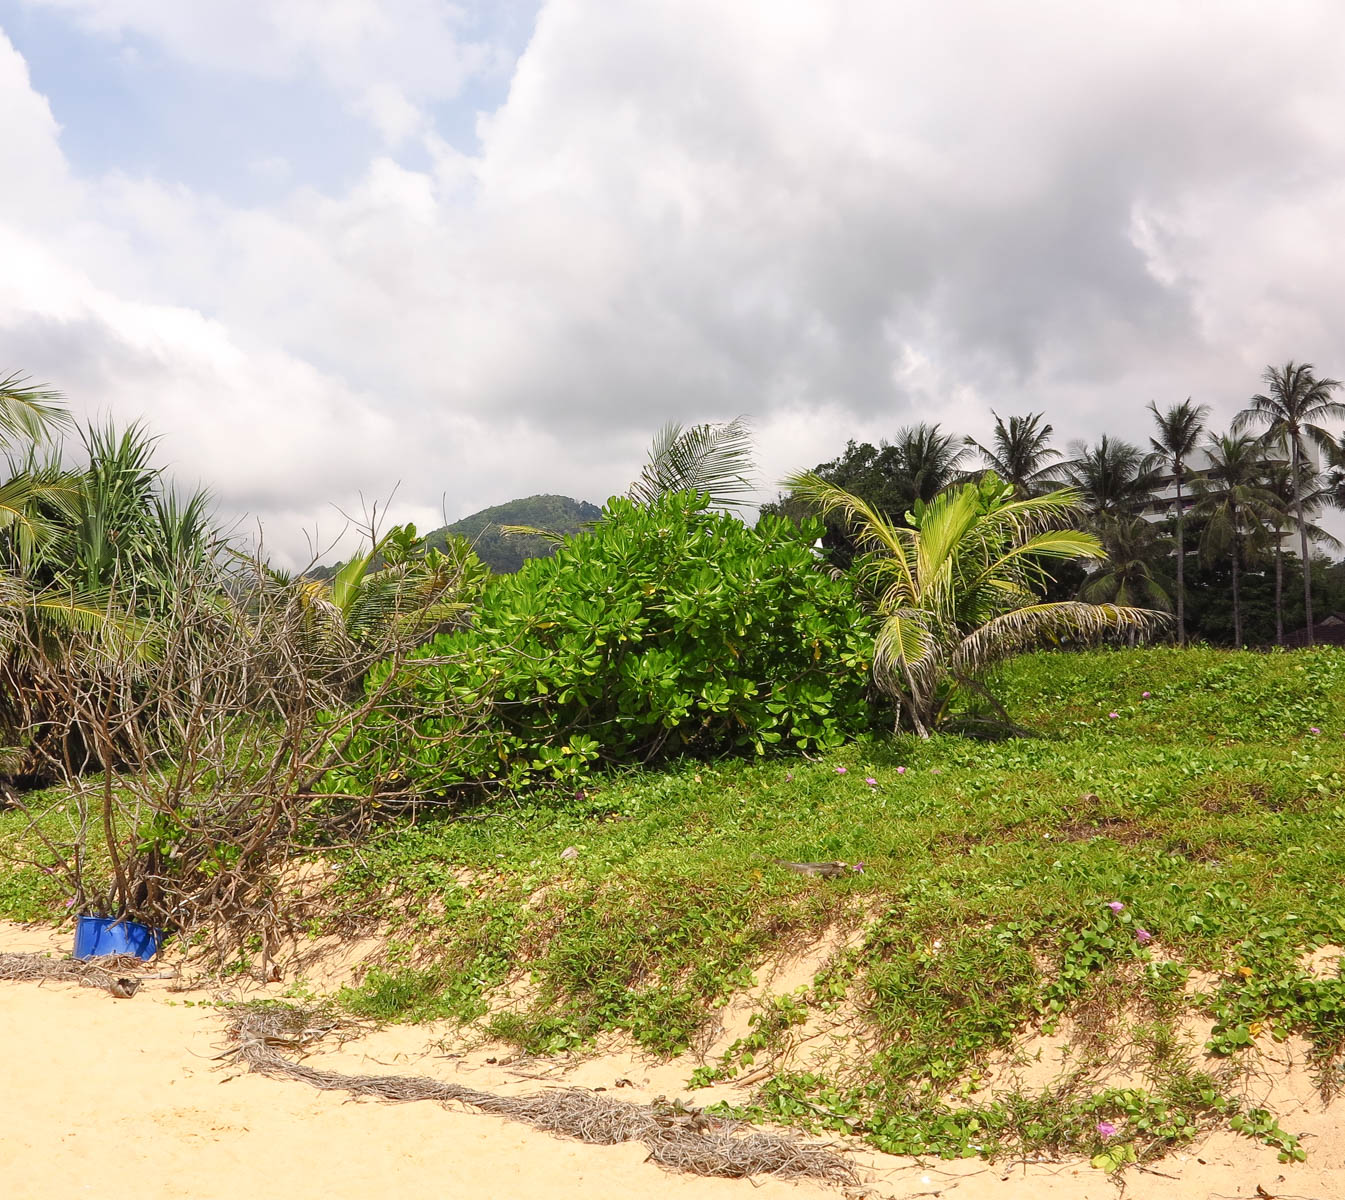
column 901, row 770
column 1144, row 695
column 858, row 868
column 840, row 770
column 871, row 781
column 70, row 903
column 1142, row 935
column 1115, row 905
column 1105, row 1129
column 1312, row 729
column 1113, row 716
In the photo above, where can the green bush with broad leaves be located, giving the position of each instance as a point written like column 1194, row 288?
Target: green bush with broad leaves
column 668, row 629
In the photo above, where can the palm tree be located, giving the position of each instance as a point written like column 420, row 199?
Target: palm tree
column 958, row 588
column 1291, row 408
column 1021, row 454
column 1179, row 431
column 29, row 417
column 926, row 461
column 1235, row 506
column 714, row 459
column 1126, row 575
column 1114, row 478
column 1315, row 491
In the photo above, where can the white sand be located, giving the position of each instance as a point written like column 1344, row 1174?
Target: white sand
column 123, row 1099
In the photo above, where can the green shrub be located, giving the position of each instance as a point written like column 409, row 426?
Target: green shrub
column 669, row 629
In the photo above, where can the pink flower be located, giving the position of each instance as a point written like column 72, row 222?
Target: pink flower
column 871, row 781
column 70, row 903
column 1106, row 1129
column 901, row 770
column 858, row 868
column 1143, row 936
column 1312, row 729
column 936, row 770
column 840, row 770
column 1113, row 716
column 789, row 776
column 1144, row 695
column 1115, row 905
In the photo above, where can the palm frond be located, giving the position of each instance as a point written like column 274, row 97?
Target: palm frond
column 1059, row 621
column 28, row 412
column 713, row 459
column 549, row 535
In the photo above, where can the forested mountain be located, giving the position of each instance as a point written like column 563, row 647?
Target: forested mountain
column 502, row 554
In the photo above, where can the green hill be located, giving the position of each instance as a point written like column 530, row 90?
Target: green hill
column 502, row 554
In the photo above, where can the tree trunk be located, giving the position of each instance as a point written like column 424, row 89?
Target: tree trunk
column 1302, row 530
column 1181, row 559
column 915, row 703
column 1279, row 589
column 1237, row 608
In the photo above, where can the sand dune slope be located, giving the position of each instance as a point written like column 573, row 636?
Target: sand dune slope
column 124, row 1100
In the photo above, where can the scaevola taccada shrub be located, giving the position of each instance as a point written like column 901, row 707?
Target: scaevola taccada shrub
column 669, row 628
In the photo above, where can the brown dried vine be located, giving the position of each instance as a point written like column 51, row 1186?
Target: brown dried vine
column 678, row 1137
column 222, row 716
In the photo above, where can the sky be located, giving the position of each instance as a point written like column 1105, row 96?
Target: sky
column 440, row 255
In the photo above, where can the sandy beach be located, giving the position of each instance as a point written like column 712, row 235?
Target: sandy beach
column 127, row 1099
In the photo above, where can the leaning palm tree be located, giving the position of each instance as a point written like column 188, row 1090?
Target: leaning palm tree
column 714, row 459
column 1179, row 431
column 1021, row 453
column 1292, row 408
column 959, row 587
column 1235, row 506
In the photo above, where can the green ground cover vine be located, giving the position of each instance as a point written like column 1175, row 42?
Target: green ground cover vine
column 1211, row 811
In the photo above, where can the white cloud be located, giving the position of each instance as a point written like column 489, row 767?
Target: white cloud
column 837, row 218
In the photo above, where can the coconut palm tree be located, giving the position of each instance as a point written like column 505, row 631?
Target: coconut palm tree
column 1179, row 431
column 1113, row 478
column 1021, row 453
column 1126, row 575
column 958, row 588
column 926, row 460
column 1280, row 522
column 1235, row 506
column 1292, row 408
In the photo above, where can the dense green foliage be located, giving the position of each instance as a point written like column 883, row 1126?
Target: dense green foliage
column 1164, row 851
column 1213, row 809
column 92, row 555
column 668, row 629
column 1220, row 527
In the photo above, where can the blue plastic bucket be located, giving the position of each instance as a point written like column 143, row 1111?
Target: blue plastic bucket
column 109, row 935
